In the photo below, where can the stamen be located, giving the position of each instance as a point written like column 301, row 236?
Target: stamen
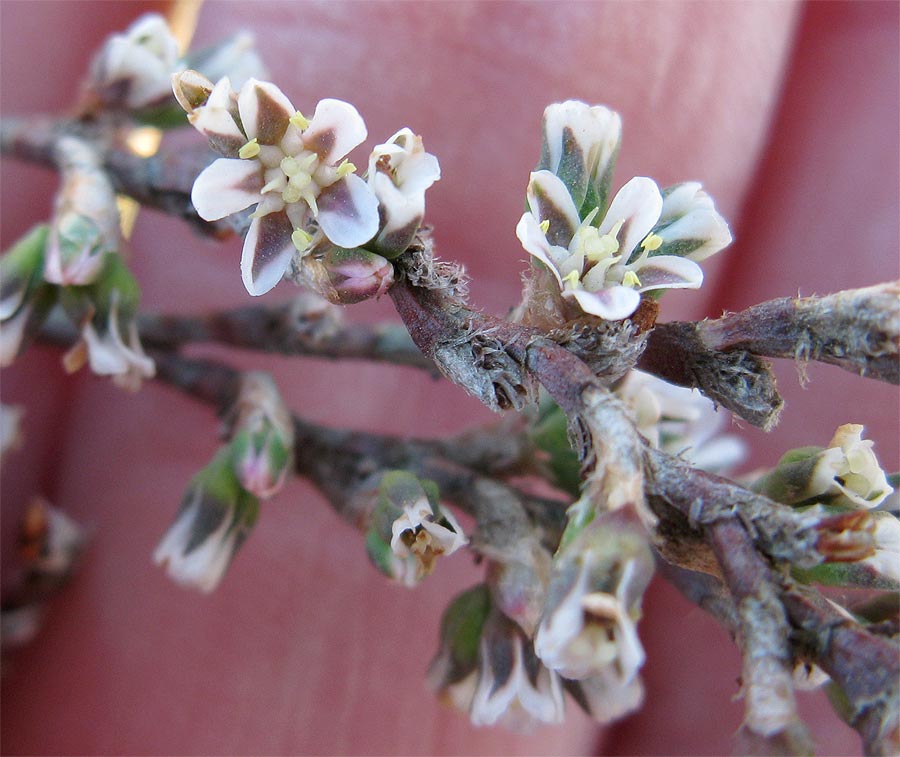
column 652, row 242
column 299, row 120
column 631, row 280
column 249, row 150
column 301, row 240
column 545, row 225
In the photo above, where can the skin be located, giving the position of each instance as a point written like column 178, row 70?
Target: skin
column 304, row 648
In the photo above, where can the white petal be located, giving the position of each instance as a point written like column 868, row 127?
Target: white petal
column 613, row 304
column 529, row 232
column 418, row 172
column 668, row 272
column 549, row 200
column 265, row 111
column 681, row 199
column 226, row 186
column 267, row 252
column 348, row 212
column 334, row 130
column 704, row 225
column 638, row 204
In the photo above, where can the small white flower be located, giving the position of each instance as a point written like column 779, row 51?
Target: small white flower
column 849, row 469
column 291, row 168
column 603, row 268
column 886, row 559
column 680, row 421
column 606, row 697
column 513, row 687
column 135, row 68
column 399, row 173
column 689, row 224
column 419, row 537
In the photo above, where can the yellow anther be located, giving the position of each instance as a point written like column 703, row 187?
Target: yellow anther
column 545, row 226
column 652, row 242
column 630, row 279
column 289, row 165
column 249, row 150
column 301, row 240
column 299, row 120
column 344, row 168
column 572, row 279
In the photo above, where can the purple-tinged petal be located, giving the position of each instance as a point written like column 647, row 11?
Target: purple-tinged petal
column 637, row 205
column 531, row 236
column 613, row 304
column 549, row 200
column 696, row 236
column 348, row 212
column 265, row 111
column 267, row 252
column 334, row 130
column 226, row 186
column 668, row 272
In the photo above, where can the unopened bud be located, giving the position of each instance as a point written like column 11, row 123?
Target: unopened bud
column 192, row 89
column 25, row 299
column 356, row 275
column 215, row 517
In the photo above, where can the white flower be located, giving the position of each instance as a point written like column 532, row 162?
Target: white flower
column 214, row 518
column 399, row 173
column 291, row 168
column 849, row 469
column 689, row 224
column 513, row 687
column 580, row 144
column 419, row 536
column 603, row 268
column 606, row 697
column 886, row 559
column 135, row 68
column 680, row 421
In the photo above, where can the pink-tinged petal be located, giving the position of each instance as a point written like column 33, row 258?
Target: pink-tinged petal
column 697, row 235
column 268, row 250
column 637, row 205
column 613, row 304
column 549, row 200
column 348, row 212
column 226, row 186
column 529, row 232
column 668, row 272
column 334, row 130
column 265, row 111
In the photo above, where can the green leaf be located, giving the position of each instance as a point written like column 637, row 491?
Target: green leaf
column 462, row 624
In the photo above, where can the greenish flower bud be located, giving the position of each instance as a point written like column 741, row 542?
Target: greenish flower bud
column 356, row 275
column 25, row 299
column 215, row 517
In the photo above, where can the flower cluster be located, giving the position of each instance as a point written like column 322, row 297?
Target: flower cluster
column 604, row 258
column 294, row 170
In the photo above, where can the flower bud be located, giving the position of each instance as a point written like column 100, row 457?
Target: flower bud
column 452, row 674
column 106, row 312
column 689, row 225
column 513, row 687
column 215, row 517
column 133, row 69
column 85, row 224
column 580, row 145
column 863, row 542
column 409, row 530
column 588, row 626
column 263, row 436
column 356, row 275
column 399, row 173
column 845, row 474
column 25, row 299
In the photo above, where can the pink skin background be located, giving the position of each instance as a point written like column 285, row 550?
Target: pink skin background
column 787, row 113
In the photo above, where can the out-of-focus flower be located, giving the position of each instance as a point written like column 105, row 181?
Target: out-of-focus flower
column 589, row 622
column 605, row 697
column 50, row 541
column 262, row 436
column 844, row 474
column 399, row 173
column 580, row 145
column 215, row 517
column 85, row 224
column 134, row 69
column 107, row 313
column 866, row 538
column 25, row 299
column 409, row 530
column 291, row 168
column 234, row 57
column 513, row 686
column 680, row 421
column 10, row 428
column 601, row 272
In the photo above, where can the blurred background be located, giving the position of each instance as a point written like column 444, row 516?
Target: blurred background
column 787, row 112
